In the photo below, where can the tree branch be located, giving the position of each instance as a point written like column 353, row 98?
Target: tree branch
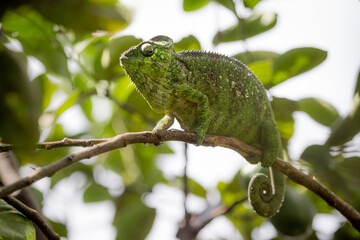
column 245, row 150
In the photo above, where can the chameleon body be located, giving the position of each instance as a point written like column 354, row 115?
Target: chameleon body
column 209, row 93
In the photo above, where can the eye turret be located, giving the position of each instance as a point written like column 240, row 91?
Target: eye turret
column 147, row 49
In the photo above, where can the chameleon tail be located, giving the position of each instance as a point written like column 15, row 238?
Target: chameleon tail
column 266, row 194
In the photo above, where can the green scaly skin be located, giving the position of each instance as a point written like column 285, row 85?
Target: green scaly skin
column 209, row 93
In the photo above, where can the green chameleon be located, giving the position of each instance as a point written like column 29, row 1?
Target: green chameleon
column 209, row 93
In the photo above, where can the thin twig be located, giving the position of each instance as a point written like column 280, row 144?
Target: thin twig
column 187, row 217
column 245, row 150
column 186, row 185
column 69, row 142
column 199, row 221
column 66, row 142
column 229, row 209
column 34, row 216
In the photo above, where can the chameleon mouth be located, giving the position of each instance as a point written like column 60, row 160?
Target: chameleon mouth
column 123, row 59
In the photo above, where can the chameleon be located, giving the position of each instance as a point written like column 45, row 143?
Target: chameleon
column 210, row 93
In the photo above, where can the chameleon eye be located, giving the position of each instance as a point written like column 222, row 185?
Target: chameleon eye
column 147, row 49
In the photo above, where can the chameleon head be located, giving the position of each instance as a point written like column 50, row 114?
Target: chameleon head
column 147, row 65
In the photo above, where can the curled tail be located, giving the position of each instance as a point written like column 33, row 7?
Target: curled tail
column 266, row 194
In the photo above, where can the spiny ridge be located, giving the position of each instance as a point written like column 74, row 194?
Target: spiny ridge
column 209, row 54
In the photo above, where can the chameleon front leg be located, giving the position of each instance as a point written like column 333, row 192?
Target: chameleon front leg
column 166, row 122
column 203, row 112
column 267, row 194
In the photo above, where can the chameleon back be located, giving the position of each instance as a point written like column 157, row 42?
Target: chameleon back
column 238, row 102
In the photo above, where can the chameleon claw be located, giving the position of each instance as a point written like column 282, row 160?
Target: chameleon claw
column 160, row 133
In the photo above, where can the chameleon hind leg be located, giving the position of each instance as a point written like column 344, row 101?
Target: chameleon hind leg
column 266, row 194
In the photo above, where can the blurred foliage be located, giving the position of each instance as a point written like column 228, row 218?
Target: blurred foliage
column 18, row 101
column 246, row 28
column 273, row 68
column 14, row 225
column 78, row 54
column 296, row 215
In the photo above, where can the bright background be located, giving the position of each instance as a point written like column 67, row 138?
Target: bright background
column 331, row 25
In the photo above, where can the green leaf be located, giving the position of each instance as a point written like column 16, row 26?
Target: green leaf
column 145, row 156
column 59, row 228
column 83, row 81
column 346, row 232
column 246, row 28
column 113, row 161
column 143, row 107
column 118, row 45
column 283, row 108
column 37, row 37
column 322, row 165
column 96, row 193
column 319, row 110
column 20, row 105
column 229, row 4
column 86, row 106
column 101, row 56
column 319, row 156
column 85, row 16
column 86, row 170
column 69, row 102
column 47, row 89
column 111, row 54
column 91, row 56
column 192, row 5
column 130, row 212
column 187, row 43
column 193, row 186
column 56, row 133
column 345, row 130
column 348, row 168
column 263, row 70
column 241, row 217
column 14, row 225
column 251, row 3
column 196, row 188
column 295, row 62
column 272, row 68
column 255, row 56
column 121, row 89
column 234, row 190
column 296, row 215
column 286, row 129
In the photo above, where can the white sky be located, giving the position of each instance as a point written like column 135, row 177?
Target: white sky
column 332, row 25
